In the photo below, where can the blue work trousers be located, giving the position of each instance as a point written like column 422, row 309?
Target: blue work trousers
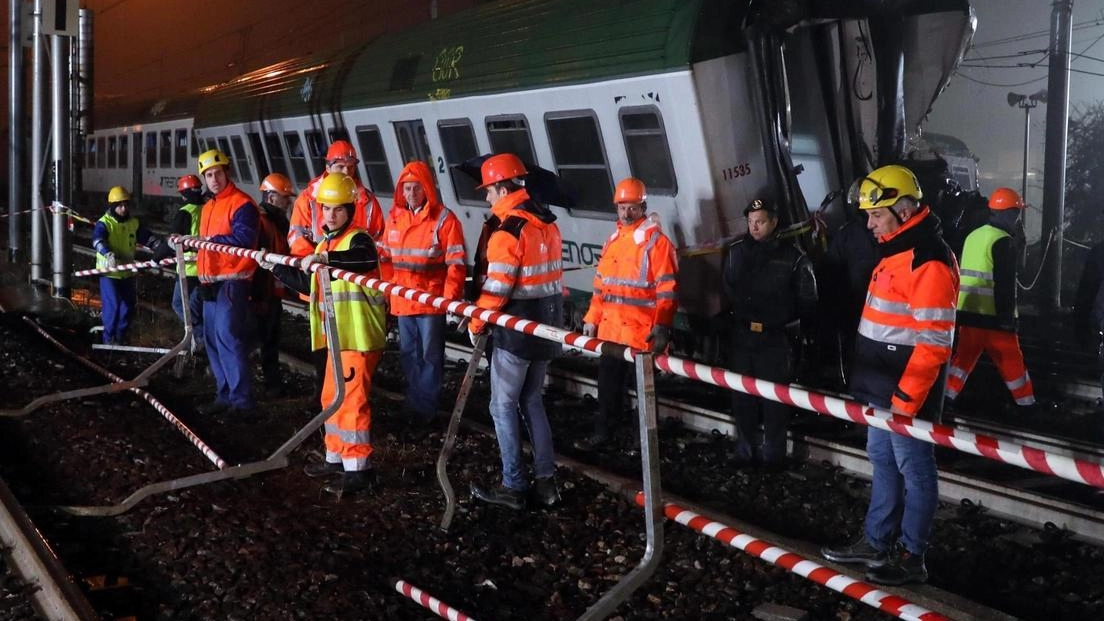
column 516, row 386
column 195, row 306
column 905, row 491
column 117, row 298
column 422, row 353
column 224, row 321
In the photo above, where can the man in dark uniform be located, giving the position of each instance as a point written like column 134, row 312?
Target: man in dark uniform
column 770, row 285
column 1088, row 308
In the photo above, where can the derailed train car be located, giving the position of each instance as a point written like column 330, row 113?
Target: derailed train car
column 710, row 102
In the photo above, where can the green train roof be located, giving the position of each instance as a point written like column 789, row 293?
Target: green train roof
column 502, row 46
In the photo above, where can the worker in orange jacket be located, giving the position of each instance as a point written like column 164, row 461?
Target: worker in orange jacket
column 634, row 302
column 901, row 353
column 422, row 247
column 525, row 279
column 231, row 218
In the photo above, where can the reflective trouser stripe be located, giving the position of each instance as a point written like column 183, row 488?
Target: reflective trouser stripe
column 348, row 430
column 1004, row 349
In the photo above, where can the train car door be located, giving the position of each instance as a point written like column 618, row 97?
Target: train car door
column 413, row 144
column 137, row 156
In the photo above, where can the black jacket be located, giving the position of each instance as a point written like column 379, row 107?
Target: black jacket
column 1089, row 306
column 769, row 282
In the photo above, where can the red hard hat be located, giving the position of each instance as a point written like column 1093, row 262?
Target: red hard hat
column 279, row 184
column 1005, row 198
column 630, row 190
column 501, row 167
column 188, row 182
column 341, row 150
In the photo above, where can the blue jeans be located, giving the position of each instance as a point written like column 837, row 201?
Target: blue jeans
column 228, row 345
column 118, row 298
column 516, row 386
column 422, row 354
column 905, row 491
column 195, row 306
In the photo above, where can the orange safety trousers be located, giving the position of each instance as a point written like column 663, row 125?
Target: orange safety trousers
column 1004, row 349
column 348, row 438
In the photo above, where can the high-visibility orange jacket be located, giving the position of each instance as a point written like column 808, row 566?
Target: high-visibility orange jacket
column 229, row 218
column 634, row 284
column 424, row 249
column 907, row 324
column 306, row 217
column 524, row 274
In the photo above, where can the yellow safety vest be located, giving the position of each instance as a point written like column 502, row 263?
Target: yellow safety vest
column 976, row 284
column 122, row 239
column 360, row 311
column 190, row 268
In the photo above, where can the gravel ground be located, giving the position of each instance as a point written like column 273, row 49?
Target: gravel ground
column 15, row 604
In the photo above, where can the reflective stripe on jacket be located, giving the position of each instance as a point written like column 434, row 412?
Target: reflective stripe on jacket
column 361, row 312
column 907, row 324
column 977, row 293
column 423, row 250
column 121, row 239
column 634, row 284
column 306, row 217
column 229, row 218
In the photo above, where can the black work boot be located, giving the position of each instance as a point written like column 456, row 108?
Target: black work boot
column 545, row 492
column 902, row 567
column 351, row 483
column 323, row 469
column 858, row 552
column 499, row 495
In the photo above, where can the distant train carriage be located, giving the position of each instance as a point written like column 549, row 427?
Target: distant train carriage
column 710, row 105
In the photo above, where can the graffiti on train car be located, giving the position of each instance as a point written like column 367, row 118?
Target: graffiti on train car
column 583, row 254
column 446, row 66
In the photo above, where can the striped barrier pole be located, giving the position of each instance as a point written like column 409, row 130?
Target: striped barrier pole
column 795, row 563
column 127, row 267
column 991, row 447
column 429, row 602
column 210, row 454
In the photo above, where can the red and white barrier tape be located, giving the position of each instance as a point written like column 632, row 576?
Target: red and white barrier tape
column 157, row 405
column 127, row 267
column 856, row 589
column 1070, row 468
column 431, row 603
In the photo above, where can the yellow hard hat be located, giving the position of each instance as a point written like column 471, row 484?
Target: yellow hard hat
column 884, row 186
column 118, row 194
column 212, row 158
column 337, row 189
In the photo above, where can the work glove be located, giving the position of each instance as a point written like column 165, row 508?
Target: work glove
column 660, row 338
column 590, row 329
column 306, row 262
column 109, row 261
column 268, row 265
column 473, row 337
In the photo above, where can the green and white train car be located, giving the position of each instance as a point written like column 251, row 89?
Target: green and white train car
column 711, row 102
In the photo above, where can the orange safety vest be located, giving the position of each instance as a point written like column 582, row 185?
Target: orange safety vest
column 423, row 250
column 306, row 217
column 217, row 218
column 634, row 284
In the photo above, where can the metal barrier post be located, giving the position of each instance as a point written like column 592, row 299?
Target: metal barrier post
column 454, row 425
column 653, row 513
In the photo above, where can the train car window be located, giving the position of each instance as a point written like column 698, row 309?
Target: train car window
column 101, row 152
column 510, row 134
column 458, row 141
column 372, row 155
column 258, row 154
column 242, row 159
column 647, row 148
column 166, row 149
column 580, row 157
column 181, row 149
column 112, row 150
column 339, row 133
column 316, row 148
column 194, row 146
column 297, row 158
column 276, row 154
column 403, row 73
column 90, row 153
column 235, row 165
column 124, row 150
column 151, row 150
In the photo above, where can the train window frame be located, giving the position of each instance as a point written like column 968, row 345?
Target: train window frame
column 300, row 170
column 655, row 188
column 317, row 150
column 151, row 149
column 224, row 145
column 242, row 158
column 277, row 161
column 124, row 151
column 101, row 152
column 180, row 148
column 165, row 148
column 112, row 150
column 256, row 147
column 194, row 145
column 90, row 153
column 372, row 167
column 339, row 133
column 506, row 118
column 472, row 196
column 604, row 208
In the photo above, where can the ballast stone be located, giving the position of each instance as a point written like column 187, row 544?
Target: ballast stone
column 778, row 612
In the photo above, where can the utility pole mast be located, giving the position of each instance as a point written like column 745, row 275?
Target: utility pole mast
column 1054, row 172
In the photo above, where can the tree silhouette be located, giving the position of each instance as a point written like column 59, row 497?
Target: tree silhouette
column 1085, row 175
